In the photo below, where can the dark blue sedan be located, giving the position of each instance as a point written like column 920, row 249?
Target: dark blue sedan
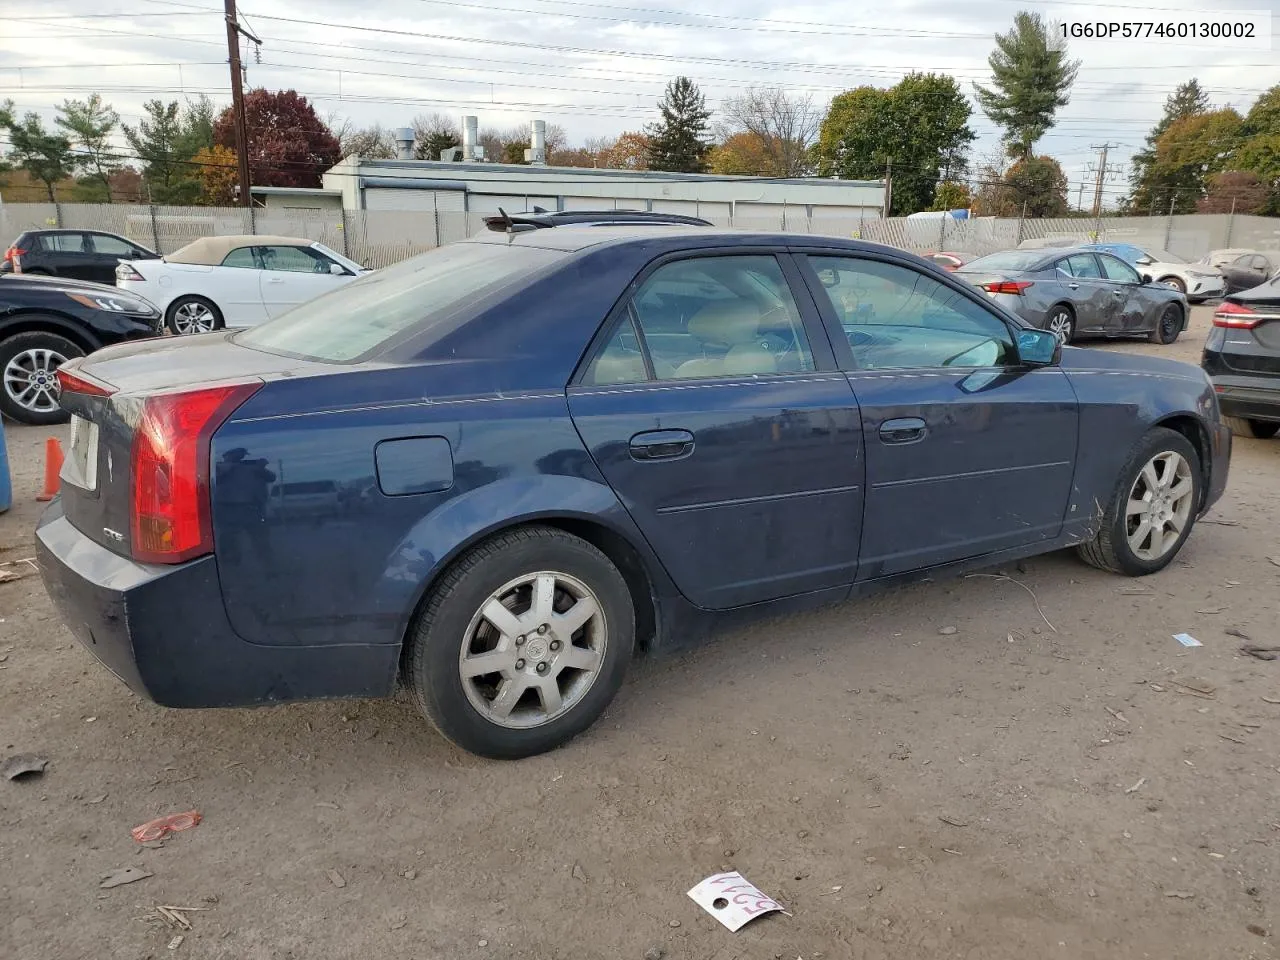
column 497, row 469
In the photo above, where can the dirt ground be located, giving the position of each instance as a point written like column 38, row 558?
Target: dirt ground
column 1009, row 790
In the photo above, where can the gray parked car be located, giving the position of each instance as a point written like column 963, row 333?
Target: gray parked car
column 1076, row 292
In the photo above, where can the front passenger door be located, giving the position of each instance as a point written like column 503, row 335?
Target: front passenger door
column 294, row 275
column 967, row 451
column 1094, row 303
column 1132, row 313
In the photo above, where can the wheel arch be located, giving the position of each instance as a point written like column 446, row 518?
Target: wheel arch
column 40, row 321
column 1193, row 428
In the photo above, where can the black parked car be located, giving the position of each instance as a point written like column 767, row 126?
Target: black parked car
column 1242, row 358
column 1250, row 269
column 75, row 254
column 45, row 321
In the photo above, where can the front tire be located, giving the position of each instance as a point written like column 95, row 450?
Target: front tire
column 1169, row 326
column 1152, row 510
column 28, row 376
column 522, row 644
column 192, row 315
column 1175, row 283
column 1062, row 323
column 1253, row 429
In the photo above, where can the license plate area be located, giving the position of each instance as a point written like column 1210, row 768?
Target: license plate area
column 80, row 468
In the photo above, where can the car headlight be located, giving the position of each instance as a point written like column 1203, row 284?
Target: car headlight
column 111, row 303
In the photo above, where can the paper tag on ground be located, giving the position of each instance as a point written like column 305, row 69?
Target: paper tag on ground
column 1187, row 640
column 732, row 900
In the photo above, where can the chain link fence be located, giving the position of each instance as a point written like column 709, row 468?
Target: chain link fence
column 377, row 238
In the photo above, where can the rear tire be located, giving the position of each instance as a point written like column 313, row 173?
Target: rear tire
column 1169, row 326
column 1253, row 429
column 1062, row 323
column 553, row 619
column 192, row 314
column 1159, row 487
column 28, row 387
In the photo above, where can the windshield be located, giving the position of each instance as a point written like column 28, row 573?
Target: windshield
column 414, row 295
column 1006, row 260
column 1164, row 256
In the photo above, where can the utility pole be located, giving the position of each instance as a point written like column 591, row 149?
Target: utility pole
column 234, row 30
column 1102, row 175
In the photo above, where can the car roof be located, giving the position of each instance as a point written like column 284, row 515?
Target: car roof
column 571, row 238
column 211, row 251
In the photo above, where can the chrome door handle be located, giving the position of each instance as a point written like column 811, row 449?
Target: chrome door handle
column 1074, row 286
column 903, row 430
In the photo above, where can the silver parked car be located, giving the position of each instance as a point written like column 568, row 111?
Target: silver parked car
column 1076, row 292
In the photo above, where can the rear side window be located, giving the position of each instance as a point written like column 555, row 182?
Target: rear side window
column 1084, row 266
column 62, row 243
column 413, row 296
column 243, row 257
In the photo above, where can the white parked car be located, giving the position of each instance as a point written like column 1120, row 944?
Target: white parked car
column 219, row 282
column 1196, row 281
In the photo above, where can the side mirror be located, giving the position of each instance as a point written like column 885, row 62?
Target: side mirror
column 337, row 270
column 1145, row 261
column 1146, row 278
column 1039, row 348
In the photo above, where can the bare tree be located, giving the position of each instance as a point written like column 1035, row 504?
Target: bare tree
column 434, row 132
column 371, row 143
column 784, row 126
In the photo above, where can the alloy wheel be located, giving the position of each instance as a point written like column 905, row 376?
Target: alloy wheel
column 1159, row 506
column 31, row 379
column 1060, row 325
column 533, row 649
column 193, row 317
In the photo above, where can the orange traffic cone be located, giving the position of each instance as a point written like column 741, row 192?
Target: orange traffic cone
column 52, row 468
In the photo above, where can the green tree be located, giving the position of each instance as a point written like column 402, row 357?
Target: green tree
column 1188, row 100
column 679, row 141
column 920, row 126
column 45, row 156
column 1032, row 187
column 1031, row 80
column 1189, row 152
column 1259, row 150
column 156, row 141
column 195, row 127
column 89, row 125
column 952, row 195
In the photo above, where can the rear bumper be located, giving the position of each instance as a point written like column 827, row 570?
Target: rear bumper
column 1252, row 398
column 164, row 631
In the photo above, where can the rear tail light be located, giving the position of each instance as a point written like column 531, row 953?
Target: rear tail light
column 125, row 271
column 1014, row 287
column 13, row 253
column 69, row 382
column 1236, row 316
column 172, row 519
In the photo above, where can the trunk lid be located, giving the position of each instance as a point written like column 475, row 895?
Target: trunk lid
column 1255, row 351
column 106, row 405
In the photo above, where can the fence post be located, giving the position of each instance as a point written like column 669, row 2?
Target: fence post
column 1168, row 227
column 346, row 247
column 57, row 214
column 435, row 216
column 1021, row 217
column 1231, row 222
column 942, row 231
column 155, row 230
column 253, row 219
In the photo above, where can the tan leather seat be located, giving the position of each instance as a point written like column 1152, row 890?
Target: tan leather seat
column 731, row 326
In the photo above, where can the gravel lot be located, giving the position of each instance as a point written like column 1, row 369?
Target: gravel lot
column 1007, row 791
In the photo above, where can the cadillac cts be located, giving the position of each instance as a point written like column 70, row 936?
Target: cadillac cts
column 495, row 470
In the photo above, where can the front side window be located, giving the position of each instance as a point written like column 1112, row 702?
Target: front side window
column 113, row 246
column 897, row 318
column 292, row 260
column 1118, row 270
column 709, row 317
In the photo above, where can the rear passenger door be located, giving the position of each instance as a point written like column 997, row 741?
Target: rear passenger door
column 67, row 255
column 1092, row 298
column 712, row 407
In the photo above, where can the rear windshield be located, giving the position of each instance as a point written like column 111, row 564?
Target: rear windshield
column 412, row 296
column 1007, row 260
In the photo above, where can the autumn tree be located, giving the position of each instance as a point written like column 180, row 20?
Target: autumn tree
column 1031, row 78
column 918, row 129
column 952, row 195
column 289, row 145
column 219, row 176
column 629, row 152
column 740, row 155
column 1188, row 100
column 1031, row 187
column 679, row 140
column 1234, row 191
column 1189, row 152
column 89, row 125
column 1259, row 149
column 781, row 129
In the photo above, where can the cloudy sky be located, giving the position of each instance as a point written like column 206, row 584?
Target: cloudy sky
column 596, row 68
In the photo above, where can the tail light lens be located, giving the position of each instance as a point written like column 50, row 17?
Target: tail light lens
column 1014, row 287
column 1236, row 316
column 69, row 382
column 126, row 271
column 12, row 253
column 170, row 470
